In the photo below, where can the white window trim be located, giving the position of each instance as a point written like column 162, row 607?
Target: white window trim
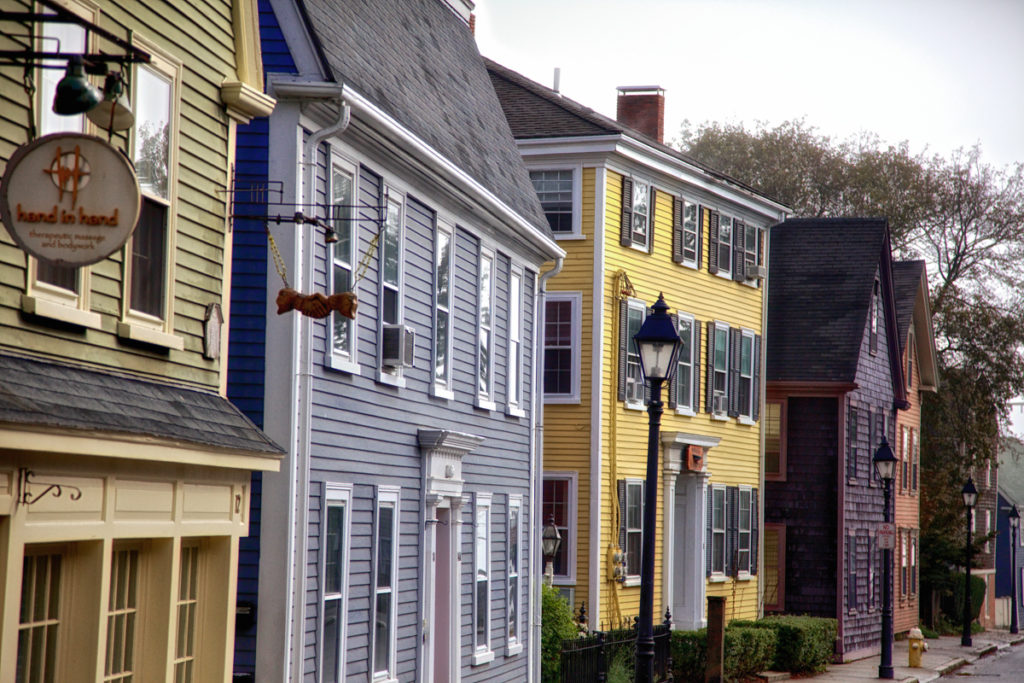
column 719, row 575
column 722, row 272
column 633, row 404
column 724, row 416
column 577, row 198
column 485, row 400
column 444, row 389
column 514, row 644
column 569, row 578
column 336, row 495
column 515, row 407
column 744, row 575
column 386, row 495
column 748, row 417
column 576, row 299
column 646, row 245
column 694, row 263
column 338, row 361
column 393, row 376
column 632, row 580
column 694, row 371
column 482, row 653
column 136, row 325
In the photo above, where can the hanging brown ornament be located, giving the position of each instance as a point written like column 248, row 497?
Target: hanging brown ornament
column 316, row 305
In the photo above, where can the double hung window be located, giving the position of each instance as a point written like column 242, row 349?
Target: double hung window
column 385, row 583
column 515, row 344
column 512, row 603
column 747, row 388
column 744, row 558
column 39, row 622
column 633, row 379
column 122, row 616
column 631, row 526
column 684, row 382
column 687, row 250
column 485, row 331
column 637, row 213
column 187, row 606
column 732, row 532
column 391, row 264
column 774, row 441
column 751, row 249
column 718, row 368
column 556, row 191
column 443, row 309
column 482, row 652
column 559, row 503
column 725, row 246
column 335, row 582
column 718, row 524
column 562, row 347
column 343, row 345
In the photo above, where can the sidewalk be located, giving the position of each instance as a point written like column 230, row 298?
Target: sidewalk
column 944, row 655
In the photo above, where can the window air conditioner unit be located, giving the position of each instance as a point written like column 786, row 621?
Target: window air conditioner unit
column 756, row 272
column 398, row 346
column 718, row 405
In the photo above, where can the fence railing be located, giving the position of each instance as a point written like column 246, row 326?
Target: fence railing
column 588, row 659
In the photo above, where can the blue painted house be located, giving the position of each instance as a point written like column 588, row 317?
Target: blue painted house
column 834, row 383
column 398, row 541
column 1009, row 563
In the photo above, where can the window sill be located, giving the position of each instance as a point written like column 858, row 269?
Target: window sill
column 554, row 400
column 563, row 580
column 718, row 578
column 44, row 308
column 442, row 392
column 745, row 576
column 568, row 236
column 384, row 678
column 148, row 335
column 720, row 417
column 513, row 650
column 633, row 406
column 686, row 412
column 631, row 582
column 642, row 248
column 483, row 657
column 744, row 420
column 484, row 404
column 513, row 411
column 390, row 379
column 725, row 275
column 692, row 265
column 343, row 365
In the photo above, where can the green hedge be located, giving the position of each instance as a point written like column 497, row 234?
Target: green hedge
column 556, row 625
column 804, row 644
column 747, row 651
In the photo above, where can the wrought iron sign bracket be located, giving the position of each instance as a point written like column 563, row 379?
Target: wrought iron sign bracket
column 26, row 497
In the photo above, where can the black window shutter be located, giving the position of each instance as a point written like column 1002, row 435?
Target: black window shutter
column 623, row 332
column 621, row 486
column 753, row 532
column 673, row 383
column 696, row 366
column 851, row 441
column 709, row 389
column 626, row 230
column 700, row 236
column 757, row 378
column 712, row 241
column 732, row 528
column 710, row 530
column 734, row 371
column 874, row 310
column 677, row 229
column 739, row 254
column 652, row 210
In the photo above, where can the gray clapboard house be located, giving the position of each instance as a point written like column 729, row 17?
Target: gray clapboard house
column 399, row 540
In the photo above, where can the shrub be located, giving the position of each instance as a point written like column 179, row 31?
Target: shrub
column 747, row 652
column 953, row 605
column 556, row 625
column 803, row 644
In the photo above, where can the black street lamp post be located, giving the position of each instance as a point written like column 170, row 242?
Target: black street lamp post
column 885, row 463
column 657, row 345
column 1014, row 535
column 970, row 495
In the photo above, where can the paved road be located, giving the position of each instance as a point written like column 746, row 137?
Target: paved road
column 1004, row 666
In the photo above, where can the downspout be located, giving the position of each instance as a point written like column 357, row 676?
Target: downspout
column 537, row 453
column 763, row 394
column 301, row 438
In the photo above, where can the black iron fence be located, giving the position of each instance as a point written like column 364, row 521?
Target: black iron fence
column 592, row 657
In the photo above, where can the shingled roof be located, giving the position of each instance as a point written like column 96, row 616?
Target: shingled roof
column 822, row 274
column 66, row 397
column 535, row 111
column 418, row 62
column 906, row 280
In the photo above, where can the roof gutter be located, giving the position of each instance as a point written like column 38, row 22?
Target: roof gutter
column 445, row 167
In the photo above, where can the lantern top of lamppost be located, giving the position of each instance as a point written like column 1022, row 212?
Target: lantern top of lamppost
column 550, row 539
column 885, row 461
column 1014, row 517
column 969, row 493
column 658, row 343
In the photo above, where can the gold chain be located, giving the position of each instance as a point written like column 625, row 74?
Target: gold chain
column 278, row 261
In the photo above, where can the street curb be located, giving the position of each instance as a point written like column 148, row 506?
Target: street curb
column 985, row 650
column 951, row 666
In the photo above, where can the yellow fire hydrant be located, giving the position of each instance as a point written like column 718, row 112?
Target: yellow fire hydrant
column 916, row 646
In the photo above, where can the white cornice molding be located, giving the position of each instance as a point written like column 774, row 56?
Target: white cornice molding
column 245, row 102
column 457, row 444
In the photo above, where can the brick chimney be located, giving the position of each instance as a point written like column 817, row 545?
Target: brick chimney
column 642, row 107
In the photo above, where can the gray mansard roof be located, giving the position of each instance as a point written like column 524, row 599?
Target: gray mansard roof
column 418, row 62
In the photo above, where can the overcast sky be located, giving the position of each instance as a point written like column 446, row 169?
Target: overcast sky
column 940, row 73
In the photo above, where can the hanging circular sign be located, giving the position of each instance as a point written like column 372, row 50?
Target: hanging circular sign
column 69, row 199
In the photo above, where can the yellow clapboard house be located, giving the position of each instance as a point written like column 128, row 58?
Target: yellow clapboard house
column 638, row 219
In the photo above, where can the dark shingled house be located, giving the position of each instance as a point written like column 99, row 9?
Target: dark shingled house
column 834, row 384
